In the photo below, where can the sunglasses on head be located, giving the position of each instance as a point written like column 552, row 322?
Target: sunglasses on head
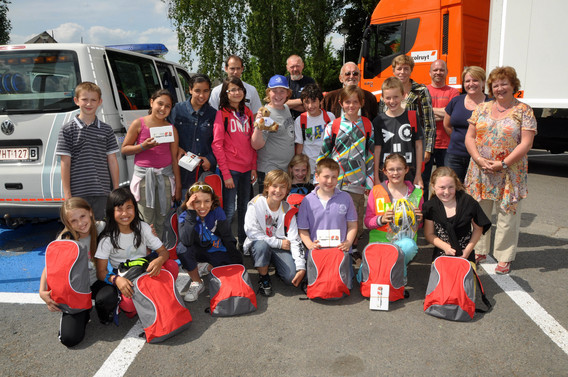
column 204, row 188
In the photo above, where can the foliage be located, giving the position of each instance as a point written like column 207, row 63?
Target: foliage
column 265, row 32
column 323, row 15
column 5, row 24
column 356, row 19
column 275, row 30
column 209, row 30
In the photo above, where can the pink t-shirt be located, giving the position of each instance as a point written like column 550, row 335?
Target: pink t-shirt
column 440, row 98
column 158, row 157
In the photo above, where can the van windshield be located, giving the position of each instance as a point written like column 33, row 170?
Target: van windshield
column 37, row 81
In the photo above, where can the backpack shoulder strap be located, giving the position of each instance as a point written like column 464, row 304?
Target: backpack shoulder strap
column 412, row 120
column 303, row 124
column 225, row 121
column 368, row 127
column 335, row 129
column 326, row 118
column 483, row 297
column 288, row 218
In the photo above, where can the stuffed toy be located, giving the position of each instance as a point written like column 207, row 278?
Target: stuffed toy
column 265, row 123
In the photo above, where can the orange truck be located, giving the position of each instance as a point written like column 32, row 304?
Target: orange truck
column 528, row 35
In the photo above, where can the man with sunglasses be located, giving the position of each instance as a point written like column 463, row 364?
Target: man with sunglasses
column 350, row 75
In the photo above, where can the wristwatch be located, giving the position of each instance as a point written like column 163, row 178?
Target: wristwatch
column 505, row 166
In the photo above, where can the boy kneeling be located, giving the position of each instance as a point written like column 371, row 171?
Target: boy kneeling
column 327, row 210
column 269, row 238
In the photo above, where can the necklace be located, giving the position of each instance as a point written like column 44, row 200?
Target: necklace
column 504, row 108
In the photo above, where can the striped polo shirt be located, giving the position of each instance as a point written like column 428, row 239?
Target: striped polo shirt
column 88, row 146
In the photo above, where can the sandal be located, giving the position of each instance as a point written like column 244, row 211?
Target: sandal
column 480, row 258
column 503, row 270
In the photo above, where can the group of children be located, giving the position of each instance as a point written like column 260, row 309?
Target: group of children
column 340, row 153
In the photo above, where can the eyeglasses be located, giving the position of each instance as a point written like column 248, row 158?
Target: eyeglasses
column 235, row 90
column 204, row 188
column 395, row 170
column 354, row 74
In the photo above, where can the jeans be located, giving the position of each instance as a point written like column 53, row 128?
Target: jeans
column 241, row 192
column 189, row 256
column 260, row 179
column 282, row 260
column 437, row 157
column 459, row 164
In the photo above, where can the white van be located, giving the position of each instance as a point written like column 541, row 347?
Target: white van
column 37, row 83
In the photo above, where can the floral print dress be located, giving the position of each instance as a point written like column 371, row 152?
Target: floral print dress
column 495, row 139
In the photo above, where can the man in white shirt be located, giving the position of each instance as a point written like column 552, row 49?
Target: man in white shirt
column 234, row 67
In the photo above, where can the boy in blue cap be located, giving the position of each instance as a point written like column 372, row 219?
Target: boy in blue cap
column 275, row 149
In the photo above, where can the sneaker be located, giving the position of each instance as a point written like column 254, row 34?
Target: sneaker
column 479, row 258
column 503, row 270
column 265, row 286
column 203, row 269
column 246, row 252
column 356, row 255
column 195, row 288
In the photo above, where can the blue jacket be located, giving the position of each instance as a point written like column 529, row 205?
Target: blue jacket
column 195, row 130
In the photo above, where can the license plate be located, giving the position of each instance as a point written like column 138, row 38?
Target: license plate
column 19, row 154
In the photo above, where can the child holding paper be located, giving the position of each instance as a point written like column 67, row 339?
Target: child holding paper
column 156, row 178
column 327, row 216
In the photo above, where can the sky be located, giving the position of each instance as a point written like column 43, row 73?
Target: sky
column 102, row 22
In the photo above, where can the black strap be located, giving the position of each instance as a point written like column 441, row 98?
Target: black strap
column 483, row 297
column 226, row 122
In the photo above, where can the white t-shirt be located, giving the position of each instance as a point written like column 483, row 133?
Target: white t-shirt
column 252, row 100
column 86, row 242
column 315, row 128
column 126, row 249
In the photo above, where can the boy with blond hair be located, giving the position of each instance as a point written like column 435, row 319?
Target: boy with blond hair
column 88, row 150
column 270, row 238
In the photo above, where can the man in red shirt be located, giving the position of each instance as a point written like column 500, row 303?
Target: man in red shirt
column 441, row 95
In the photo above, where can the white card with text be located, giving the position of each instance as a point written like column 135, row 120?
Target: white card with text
column 163, row 134
column 379, row 299
column 329, row 237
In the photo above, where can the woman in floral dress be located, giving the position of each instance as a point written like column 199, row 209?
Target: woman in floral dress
column 499, row 136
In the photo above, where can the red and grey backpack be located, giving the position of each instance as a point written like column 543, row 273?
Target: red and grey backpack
column 231, row 291
column 304, row 121
column 67, row 275
column 383, row 263
column 329, row 274
column 159, row 306
column 451, row 290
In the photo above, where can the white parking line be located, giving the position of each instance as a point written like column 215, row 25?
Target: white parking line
column 120, row 359
column 20, row 298
column 537, row 313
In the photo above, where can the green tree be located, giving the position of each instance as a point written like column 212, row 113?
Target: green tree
column 278, row 29
column 5, row 24
column 356, row 19
column 275, row 30
column 209, row 31
column 322, row 15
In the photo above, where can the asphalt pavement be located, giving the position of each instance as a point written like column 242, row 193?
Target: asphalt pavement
column 524, row 333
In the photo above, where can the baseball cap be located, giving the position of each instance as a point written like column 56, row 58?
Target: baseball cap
column 278, row 81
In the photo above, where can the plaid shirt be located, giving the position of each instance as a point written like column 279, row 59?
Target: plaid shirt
column 420, row 101
column 353, row 151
